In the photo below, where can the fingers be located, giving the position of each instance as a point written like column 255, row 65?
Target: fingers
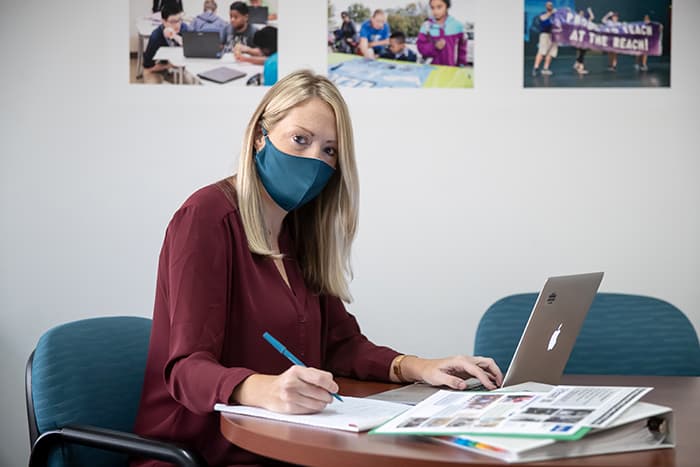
column 304, row 390
column 449, row 371
column 454, row 382
column 319, row 378
column 487, row 379
column 490, row 366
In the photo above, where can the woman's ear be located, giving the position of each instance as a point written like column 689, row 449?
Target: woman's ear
column 259, row 141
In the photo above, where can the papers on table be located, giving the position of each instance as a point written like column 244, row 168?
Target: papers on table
column 643, row 426
column 354, row 414
column 565, row 412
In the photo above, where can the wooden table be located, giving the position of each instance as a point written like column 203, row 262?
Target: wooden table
column 323, row 447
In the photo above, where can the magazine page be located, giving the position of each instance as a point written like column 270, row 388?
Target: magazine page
column 599, row 405
column 565, row 412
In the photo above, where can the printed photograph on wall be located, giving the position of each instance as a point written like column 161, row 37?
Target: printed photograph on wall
column 597, row 43
column 203, row 42
column 401, row 43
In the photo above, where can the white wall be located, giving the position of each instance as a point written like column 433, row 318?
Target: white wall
column 466, row 195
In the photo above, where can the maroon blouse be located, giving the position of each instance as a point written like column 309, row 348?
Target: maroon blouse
column 214, row 300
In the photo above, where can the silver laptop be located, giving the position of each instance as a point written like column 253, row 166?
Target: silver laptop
column 545, row 344
column 552, row 329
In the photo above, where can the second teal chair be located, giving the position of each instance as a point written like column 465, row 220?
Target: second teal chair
column 622, row 335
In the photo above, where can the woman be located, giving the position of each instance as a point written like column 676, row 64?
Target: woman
column 268, row 250
column 345, row 37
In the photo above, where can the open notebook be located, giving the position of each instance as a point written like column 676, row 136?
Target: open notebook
column 354, row 414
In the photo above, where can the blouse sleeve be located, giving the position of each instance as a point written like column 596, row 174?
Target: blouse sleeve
column 196, row 284
column 347, row 351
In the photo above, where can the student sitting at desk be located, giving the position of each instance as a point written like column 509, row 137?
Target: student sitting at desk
column 264, row 53
column 398, row 50
column 264, row 44
column 165, row 35
column 268, row 249
column 268, row 44
column 209, row 21
column 239, row 31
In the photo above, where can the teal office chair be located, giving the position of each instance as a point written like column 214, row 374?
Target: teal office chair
column 83, row 385
column 622, row 335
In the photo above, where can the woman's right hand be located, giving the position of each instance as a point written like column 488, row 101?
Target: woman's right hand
column 298, row 390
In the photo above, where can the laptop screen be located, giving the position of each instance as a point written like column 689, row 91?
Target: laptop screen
column 257, row 14
column 201, row 44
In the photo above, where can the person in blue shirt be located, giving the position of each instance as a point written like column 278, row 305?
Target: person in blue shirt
column 546, row 48
column 374, row 35
column 266, row 41
column 398, row 50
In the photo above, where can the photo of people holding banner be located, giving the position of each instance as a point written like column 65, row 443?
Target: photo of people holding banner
column 597, row 43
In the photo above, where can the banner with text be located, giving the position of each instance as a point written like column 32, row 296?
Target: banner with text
column 638, row 38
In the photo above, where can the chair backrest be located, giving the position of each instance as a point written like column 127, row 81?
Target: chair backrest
column 622, row 334
column 88, row 372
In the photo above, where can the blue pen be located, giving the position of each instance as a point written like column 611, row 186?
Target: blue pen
column 283, row 350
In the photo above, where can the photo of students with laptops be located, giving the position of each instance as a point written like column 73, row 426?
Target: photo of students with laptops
column 177, row 48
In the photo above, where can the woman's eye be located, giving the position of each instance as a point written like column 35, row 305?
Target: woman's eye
column 300, row 139
column 332, row 152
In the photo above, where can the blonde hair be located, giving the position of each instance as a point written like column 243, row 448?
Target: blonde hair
column 325, row 227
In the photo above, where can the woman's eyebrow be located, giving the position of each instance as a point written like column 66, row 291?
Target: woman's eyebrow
column 299, row 127
column 305, row 129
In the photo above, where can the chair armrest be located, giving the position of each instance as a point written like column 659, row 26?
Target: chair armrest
column 111, row 440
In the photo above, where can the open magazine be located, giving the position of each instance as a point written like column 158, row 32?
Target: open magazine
column 565, row 412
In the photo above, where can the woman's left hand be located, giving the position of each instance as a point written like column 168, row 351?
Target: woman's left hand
column 453, row 371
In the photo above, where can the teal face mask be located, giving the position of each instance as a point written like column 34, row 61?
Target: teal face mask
column 291, row 181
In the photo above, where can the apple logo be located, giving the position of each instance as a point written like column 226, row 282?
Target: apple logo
column 553, row 339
